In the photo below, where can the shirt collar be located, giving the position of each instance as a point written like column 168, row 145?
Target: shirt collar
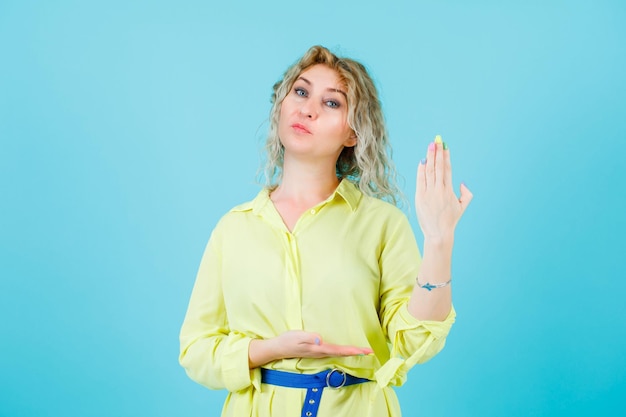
column 349, row 192
column 346, row 190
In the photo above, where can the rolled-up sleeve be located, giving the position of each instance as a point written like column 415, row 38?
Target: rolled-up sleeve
column 412, row 341
column 210, row 352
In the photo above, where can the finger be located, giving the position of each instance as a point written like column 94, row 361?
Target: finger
column 466, row 196
column 308, row 338
column 339, row 350
column 439, row 166
column 316, row 339
column 447, row 179
column 430, row 165
column 421, row 177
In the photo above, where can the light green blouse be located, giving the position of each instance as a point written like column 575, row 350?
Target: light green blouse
column 346, row 271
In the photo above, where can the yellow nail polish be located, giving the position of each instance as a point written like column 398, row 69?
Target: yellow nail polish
column 438, row 139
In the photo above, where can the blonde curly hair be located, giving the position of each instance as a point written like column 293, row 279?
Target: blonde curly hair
column 368, row 164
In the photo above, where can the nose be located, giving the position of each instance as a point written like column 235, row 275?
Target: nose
column 308, row 110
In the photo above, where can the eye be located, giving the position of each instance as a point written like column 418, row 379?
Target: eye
column 332, row 104
column 300, row 91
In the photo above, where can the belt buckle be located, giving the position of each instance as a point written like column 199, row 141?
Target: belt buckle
column 343, row 374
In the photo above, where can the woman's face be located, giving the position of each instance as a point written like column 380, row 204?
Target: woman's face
column 313, row 116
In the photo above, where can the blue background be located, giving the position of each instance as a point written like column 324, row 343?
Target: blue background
column 128, row 128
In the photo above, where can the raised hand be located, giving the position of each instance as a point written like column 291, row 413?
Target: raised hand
column 298, row 344
column 437, row 206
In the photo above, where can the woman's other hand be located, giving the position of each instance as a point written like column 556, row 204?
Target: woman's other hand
column 437, row 206
column 298, row 344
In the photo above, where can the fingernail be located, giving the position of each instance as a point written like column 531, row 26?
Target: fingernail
column 423, row 161
column 317, row 340
column 445, row 146
column 431, row 147
column 438, row 139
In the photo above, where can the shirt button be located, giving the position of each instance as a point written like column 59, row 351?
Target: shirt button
column 314, row 390
column 311, row 401
column 313, row 211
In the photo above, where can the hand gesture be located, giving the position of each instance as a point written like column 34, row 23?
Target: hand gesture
column 301, row 344
column 297, row 344
column 437, row 206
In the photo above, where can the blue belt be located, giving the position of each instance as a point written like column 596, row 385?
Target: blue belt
column 314, row 384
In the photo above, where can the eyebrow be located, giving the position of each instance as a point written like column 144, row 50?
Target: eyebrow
column 333, row 90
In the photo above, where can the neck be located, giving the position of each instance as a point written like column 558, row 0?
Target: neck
column 306, row 183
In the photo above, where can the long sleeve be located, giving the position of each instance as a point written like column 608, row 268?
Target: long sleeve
column 413, row 341
column 210, row 352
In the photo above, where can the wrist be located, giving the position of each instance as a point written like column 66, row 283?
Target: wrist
column 431, row 286
column 441, row 248
column 439, row 242
column 261, row 352
column 274, row 349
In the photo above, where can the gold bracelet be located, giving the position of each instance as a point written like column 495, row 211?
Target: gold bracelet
column 430, row 286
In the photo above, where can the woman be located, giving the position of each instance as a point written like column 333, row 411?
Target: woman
column 308, row 299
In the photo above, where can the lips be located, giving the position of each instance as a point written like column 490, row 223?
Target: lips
column 300, row 128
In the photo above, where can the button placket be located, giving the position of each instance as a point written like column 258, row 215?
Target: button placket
column 294, row 302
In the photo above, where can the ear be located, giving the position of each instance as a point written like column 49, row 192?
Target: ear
column 351, row 141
